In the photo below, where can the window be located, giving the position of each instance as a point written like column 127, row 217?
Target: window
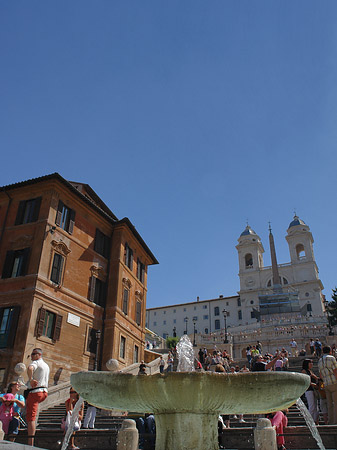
column 252, row 314
column 205, row 317
column 184, row 309
column 125, row 300
column 206, row 330
column 164, row 312
column 300, row 251
column 97, row 291
column 48, row 324
column 195, row 308
column 154, row 324
column 138, row 313
column 28, row 211
column 240, row 314
column 164, row 322
column 57, row 269
column 204, row 306
column 16, row 263
column 65, row 218
column 155, row 313
column 140, row 270
column 239, row 301
column 102, row 244
column 174, row 310
column 174, row 320
column 217, row 324
column 136, row 354
column 128, row 256
column 249, row 260
column 9, row 317
column 216, row 311
column 92, row 341
column 122, row 347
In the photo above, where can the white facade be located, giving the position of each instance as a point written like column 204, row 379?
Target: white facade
column 299, row 278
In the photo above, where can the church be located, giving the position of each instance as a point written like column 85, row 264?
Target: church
column 280, row 294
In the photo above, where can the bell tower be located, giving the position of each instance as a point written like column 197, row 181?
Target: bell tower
column 250, row 252
column 300, row 241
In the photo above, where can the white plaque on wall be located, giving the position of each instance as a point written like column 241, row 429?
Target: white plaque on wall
column 74, row 320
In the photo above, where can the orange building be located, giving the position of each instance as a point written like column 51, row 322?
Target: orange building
column 73, row 279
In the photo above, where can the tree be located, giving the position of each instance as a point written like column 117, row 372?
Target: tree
column 332, row 308
column 171, row 342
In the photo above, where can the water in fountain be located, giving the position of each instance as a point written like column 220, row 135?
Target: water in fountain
column 73, row 419
column 185, row 355
column 310, row 423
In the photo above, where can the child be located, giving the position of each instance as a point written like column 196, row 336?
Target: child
column 7, row 411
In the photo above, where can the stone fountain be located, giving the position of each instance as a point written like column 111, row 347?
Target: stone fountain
column 186, row 405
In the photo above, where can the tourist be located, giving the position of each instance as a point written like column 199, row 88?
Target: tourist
column 293, row 347
column 7, row 411
column 259, row 346
column 161, row 364
column 259, row 365
column 169, row 362
column 302, row 352
column 90, row 416
column 70, row 405
column 327, row 366
column 14, row 388
column 318, row 348
column 279, row 420
column 285, row 360
column 244, row 369
column 249, row 354
column 142, row 368
column 311, row 393
column 279, row 364
column 38, row 376
column 312, row 346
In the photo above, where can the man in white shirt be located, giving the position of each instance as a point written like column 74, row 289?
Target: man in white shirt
column 38, row 376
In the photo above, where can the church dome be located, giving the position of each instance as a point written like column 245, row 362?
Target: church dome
column 248, row 232
column 296, row 221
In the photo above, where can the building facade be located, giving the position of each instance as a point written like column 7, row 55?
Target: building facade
column 73, row 279
column 273, row 294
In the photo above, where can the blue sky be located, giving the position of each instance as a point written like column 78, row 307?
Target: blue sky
column 187, row 117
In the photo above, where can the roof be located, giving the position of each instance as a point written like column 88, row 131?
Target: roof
column 92, row 199
column 296, row 221
column 248, row 231
column 192, row 303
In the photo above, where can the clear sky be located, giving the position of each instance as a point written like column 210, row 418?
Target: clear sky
column 189, row 117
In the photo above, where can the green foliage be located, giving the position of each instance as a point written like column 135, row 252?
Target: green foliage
column 332, row 308
column 171, row 342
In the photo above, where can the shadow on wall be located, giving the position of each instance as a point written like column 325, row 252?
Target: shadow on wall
column 57, row 376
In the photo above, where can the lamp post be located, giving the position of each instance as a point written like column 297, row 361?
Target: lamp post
column 186, row 320
column 194, row 322
column 98, row 337
column 174, row 332
column 225, row 314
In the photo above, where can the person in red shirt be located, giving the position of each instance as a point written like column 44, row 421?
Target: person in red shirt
column 279, row 420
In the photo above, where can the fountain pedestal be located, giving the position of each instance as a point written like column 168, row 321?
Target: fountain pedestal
column 188, row 431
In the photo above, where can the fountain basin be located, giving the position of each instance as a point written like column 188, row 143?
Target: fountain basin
column 186, row 404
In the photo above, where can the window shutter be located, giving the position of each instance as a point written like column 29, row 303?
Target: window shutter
column 126, row 253
column 37, row 205
column 71, row 222
column 106, row 250
column 59, row 214
column 21, row 211
column 14, row 325
column 57, row 327
column 41, row 317
column 131, row 259
column 92, row 289
column 25, row 261
column 8, row 266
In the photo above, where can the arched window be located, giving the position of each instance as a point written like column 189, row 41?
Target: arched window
column 300, row 251
column 249, row 260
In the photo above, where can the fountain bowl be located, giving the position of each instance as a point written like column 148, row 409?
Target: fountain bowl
column 192, row 392
column 187, row 404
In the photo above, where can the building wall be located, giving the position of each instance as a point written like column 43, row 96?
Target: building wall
column 70, row 298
